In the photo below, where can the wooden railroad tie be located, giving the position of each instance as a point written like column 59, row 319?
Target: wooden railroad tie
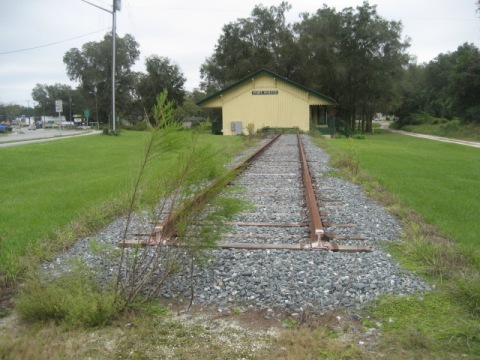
column 326, row 246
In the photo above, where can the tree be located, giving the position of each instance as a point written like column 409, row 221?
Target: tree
column 162, row 74
column 46, row 95
column 92, row 67
column 356, row 57
column 264, row 40
column 319, row 50
column 464, row 84
column 189, row 107
column 9, row 112
column 415, row 96
column 446, row 87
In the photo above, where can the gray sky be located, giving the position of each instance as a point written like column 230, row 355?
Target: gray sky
column 186, row 31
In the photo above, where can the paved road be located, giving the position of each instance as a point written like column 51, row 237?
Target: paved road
column 385, row 125
column 41, row 135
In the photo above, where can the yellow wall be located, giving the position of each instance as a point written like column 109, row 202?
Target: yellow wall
column 286, row 109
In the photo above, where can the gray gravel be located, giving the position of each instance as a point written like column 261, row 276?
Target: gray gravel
column 280, row 279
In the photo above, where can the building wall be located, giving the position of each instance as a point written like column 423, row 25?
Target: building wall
column 286, row 107
column 265, row 102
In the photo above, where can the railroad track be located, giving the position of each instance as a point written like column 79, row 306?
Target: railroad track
column 285, row 205
column 268, row 276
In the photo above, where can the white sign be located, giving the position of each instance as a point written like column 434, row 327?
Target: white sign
column 58, row 106
column 264, row 92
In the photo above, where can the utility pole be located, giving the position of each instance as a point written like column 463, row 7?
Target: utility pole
column 117, row 4
column 28, row 109
column 96, row 104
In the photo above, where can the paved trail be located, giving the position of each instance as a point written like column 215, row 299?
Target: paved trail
column 385, row 125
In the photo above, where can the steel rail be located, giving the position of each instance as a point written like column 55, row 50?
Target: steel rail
column 164, row 233
column 317, row 231
column 316, row 226
column 166, row 230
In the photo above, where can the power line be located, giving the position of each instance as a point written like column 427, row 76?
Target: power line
column 129, row 13
column 54, row 43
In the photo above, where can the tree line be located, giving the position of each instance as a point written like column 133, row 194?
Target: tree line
column 447, row 87
column 354, row 56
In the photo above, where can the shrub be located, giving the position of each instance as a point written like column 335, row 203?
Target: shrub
column 74, row 298
column 139, row 126
column 450, row 126
column 251, row 129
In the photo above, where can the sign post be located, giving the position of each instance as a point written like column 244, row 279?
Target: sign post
column 86, row 113
column 59, row 109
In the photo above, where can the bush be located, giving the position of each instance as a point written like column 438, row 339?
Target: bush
column 251, row 130
column 450, row 126
column 140, row 126
column 73, row 298
column 438, row 121
column 421, row 118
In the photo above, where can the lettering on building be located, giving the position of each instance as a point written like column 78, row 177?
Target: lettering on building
column 264, row 92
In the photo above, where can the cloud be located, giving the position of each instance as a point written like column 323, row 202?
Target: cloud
column 187, row 31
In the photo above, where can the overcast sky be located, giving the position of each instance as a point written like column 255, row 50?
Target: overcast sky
column 35, row 34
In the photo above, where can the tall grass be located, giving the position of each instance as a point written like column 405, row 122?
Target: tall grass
column 80, row 182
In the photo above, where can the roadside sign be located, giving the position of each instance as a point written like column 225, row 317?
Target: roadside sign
column 58, row 106
column 86, row 113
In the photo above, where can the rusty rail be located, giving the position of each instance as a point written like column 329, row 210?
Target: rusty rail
column 317, row 231
column 167, row 228
column 165, row 231
column 316, row 226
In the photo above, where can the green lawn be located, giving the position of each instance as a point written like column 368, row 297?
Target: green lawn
column 48, row 185
column 438, row 180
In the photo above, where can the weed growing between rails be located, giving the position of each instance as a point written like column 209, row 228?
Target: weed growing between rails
column 143, row 271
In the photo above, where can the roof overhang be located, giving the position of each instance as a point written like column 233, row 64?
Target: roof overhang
column 325, row 100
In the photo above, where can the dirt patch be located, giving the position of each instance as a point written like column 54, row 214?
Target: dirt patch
column 259, row 320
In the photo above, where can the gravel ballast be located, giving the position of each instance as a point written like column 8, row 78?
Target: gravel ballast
column 313, row 280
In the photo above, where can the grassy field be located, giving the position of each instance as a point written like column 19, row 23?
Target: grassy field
column 438, row 180
column 432, row 187
column 49, row 185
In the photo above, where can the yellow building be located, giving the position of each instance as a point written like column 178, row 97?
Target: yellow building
column 268, row 100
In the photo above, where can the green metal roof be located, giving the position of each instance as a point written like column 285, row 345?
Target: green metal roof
column 271, row 74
